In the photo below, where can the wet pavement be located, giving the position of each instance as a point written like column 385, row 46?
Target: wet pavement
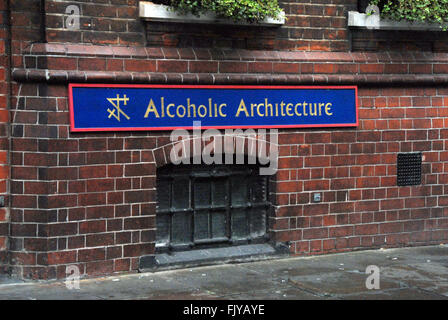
column 419, row 273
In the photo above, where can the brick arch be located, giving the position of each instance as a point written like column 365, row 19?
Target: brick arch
column 162, row 154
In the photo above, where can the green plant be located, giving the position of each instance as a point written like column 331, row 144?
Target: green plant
column 431, row 11
column 241, row 10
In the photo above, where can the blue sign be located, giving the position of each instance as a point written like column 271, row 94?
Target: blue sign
column 95, row 107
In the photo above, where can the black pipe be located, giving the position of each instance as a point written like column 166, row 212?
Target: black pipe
column 43, row 22
column 362, row 5
column 8, row 74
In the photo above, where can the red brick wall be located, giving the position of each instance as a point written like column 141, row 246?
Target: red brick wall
column 83, row 199
column 4, row 95
column 389, row 40
column 89, row 198
column 310, row 26
column 315, row 25
column 102, row 22
column 355, row 170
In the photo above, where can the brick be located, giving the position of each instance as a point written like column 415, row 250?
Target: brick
column 136, row 250
column 57, row 63
column 286, row 67
column 316, row 185
column 315, row 209
column 317, row 138
column 138, row 223
column 89, row 172
column 139, row 143
column 138, row 196
column 94, row 64
column 62, row 229
column 371, row 68
column 172, row 66
column 338, row 184
column 139, row 170
column 391, row 204
column 232, row 67
column 122, row 265
column 286, row 187
column 315, row 233
column 86, row 255
column 411, row 226
column 62, row 173
column 94, row 226
column 91, row 199
column 61, row 201
column 342, row 207
column 346, row 137
column 26, row 230
column 367, row 229
column 98, row 185
column 367, row 206
column 391, row 227
column 324, row 68
column 440, row 68
column 99, row 212
column 344, row 231
column 110, row 179
column 317, row 161
column 140, row 65
column 23, row 258
column 96, row 240
column 258, row 67
column 63, row 257
column 93, row 145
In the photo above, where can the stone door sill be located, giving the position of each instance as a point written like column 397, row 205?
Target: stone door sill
column 201, row 257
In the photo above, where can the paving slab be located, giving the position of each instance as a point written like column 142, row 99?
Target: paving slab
column 226, row 279
column 337, row 283
column 407, row 273
column 285, row 293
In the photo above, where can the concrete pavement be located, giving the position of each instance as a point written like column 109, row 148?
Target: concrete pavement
column 406, row 273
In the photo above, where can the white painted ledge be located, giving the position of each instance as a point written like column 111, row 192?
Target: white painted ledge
column 363, row 20
column 157, row 12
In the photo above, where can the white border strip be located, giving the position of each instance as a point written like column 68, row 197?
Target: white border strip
column 158, row 12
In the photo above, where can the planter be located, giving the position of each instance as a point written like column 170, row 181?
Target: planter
column 363, row 20
column 161, row 13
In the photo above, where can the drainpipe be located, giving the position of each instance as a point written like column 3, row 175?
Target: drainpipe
column 43, row 22
column 8, row 76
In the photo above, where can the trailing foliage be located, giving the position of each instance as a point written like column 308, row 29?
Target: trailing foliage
column 431, row 11
column 241, row 10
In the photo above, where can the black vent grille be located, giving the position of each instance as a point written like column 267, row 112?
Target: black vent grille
column 409, row 169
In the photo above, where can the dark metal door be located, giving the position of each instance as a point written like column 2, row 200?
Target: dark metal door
column 210, row 205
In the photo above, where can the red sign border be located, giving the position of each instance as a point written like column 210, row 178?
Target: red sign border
column 162, row 86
